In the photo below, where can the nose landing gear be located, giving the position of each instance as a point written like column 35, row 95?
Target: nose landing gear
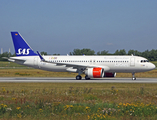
column 133, row 76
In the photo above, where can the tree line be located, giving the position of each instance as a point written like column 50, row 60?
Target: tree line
column 150, row 55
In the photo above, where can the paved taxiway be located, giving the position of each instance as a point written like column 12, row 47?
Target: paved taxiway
column 73, row 80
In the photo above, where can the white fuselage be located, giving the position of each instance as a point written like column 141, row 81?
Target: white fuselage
column 130, row 64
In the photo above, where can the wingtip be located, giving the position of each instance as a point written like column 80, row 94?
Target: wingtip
column 42, row 59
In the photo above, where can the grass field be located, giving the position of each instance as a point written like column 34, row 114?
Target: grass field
column 10, row 65
column 70, row 101
column 25, row 72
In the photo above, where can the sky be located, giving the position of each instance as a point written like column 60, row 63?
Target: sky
column 60, row 26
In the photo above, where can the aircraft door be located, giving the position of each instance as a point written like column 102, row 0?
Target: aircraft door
column 132, row 61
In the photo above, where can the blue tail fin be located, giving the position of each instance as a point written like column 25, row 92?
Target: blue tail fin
column 21, row 46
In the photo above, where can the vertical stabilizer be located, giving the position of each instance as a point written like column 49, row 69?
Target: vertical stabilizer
column 21, row 46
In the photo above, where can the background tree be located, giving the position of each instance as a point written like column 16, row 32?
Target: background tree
column 5, row 54
column 104, row 52
column 146, row 54
column 56, row 54
column 82, row 52
column 43, row 53
column 120, row 52
column 134, row 52
column 153, row 55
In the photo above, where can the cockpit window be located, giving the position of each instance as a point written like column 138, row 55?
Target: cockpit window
column 144, row 61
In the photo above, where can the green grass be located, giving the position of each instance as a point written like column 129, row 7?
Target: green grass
column 75, row 101
column 155, row 63
column 78, row 101
column 10, row 64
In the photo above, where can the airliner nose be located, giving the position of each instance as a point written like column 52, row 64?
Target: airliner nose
column 152, row 66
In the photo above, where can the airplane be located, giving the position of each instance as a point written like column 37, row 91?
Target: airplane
column 92, row 66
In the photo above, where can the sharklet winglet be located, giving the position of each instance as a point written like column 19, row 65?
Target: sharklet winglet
column 42, row 59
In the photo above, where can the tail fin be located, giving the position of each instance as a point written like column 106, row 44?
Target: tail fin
column 21, row 46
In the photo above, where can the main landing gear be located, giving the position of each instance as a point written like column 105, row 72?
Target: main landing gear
column 133, row 76
column 78, row 77
column 87, row 78
column 80, row 71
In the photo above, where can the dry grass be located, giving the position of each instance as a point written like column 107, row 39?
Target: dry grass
column 40, row 73
column 33, row 73
column 149, row 74
column 14, row 70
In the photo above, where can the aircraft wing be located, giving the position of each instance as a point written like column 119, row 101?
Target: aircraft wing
column 75, row 66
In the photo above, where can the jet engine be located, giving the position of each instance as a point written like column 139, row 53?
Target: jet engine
column 110, row 74
column 95, row 72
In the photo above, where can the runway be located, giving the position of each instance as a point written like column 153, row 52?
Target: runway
column 73, row 80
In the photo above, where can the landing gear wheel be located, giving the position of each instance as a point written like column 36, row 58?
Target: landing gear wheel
column 133, row 78
column 78, row 77
column 87, row 78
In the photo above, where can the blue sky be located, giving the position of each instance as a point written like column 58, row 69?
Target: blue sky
column 60, row 26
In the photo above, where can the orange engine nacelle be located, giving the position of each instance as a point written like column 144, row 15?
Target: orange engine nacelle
column 95, row 72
